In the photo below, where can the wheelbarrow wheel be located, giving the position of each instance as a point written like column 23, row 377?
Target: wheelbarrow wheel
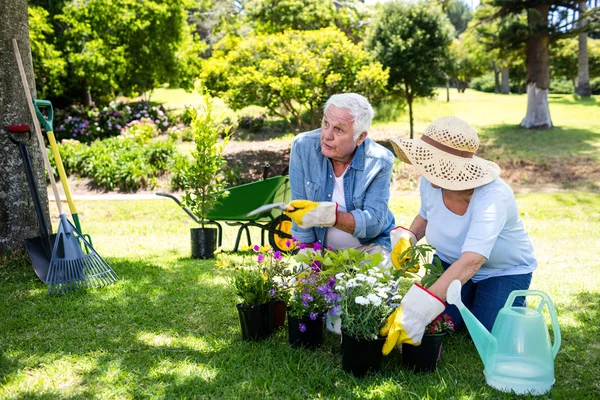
column 281, row 225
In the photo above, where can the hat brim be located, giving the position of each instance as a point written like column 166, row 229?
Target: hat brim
column 443, row 169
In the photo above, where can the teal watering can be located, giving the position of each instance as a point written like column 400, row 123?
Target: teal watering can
column 518, row 355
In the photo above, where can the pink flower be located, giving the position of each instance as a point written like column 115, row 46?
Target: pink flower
column 260, row 258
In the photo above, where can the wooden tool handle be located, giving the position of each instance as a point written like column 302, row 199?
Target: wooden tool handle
column 36, row 124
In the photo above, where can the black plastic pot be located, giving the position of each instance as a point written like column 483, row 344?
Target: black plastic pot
column 256, row 321
column 361, row 356
column 423, row 358
column 279, row 309
column 311, row 338
column 204, row 242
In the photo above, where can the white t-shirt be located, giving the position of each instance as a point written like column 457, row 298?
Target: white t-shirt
column 335, row 237
column 491, row 227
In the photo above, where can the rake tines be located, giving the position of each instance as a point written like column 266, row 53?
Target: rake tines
column 70, row 269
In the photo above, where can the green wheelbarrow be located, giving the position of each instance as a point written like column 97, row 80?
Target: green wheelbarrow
column 241, row 200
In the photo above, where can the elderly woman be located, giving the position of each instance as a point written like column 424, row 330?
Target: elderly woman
column 470, row 216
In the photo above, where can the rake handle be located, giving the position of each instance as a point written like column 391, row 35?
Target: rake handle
column 36, row 124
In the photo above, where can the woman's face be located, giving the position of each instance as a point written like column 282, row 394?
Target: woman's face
column 337, row 134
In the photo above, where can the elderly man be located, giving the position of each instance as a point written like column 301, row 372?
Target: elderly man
column 340, row 181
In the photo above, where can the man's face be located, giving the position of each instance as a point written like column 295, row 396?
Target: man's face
column 337, row 134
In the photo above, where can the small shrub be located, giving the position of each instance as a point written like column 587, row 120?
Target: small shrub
column 178, row 164
column 253, row 124
column 485, row 83
column 595, row 85
column 561, row 85
column 141, row 130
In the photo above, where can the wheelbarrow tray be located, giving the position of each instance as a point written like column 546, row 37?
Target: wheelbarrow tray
column 240, row 200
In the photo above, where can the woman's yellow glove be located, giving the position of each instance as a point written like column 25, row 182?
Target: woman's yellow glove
column 407, row 323
column 402, row 239
column 308, row 214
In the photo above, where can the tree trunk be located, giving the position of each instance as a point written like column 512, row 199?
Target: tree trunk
column 17, row 214
column 409, row 100
column 583, row 73
column 87, row 98
column 505, row 81
column 447, row 90
column 538, row 70
column 496, row 78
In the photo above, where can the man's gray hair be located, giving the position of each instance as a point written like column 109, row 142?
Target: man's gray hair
column 358, row 106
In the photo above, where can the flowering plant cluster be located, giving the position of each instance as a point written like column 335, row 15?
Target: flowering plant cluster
column 442, row 323
column 89, row 124
column 364, row 302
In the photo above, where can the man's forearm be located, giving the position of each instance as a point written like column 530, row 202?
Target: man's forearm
column 345, row 222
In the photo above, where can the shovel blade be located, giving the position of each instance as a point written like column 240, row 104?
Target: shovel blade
column 39, row 254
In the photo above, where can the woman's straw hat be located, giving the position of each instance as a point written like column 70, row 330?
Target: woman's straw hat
column 445, row 155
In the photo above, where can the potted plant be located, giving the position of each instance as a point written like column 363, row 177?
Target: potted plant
column 254, row 287
column 307, row 305
column 363, row 303
column 424, row 358
column 202, row 184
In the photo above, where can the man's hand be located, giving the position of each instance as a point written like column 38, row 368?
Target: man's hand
column 308, row 214
column 407, row 323
column 402, row 239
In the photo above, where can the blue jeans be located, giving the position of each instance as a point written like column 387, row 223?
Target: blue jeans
column 487, row 297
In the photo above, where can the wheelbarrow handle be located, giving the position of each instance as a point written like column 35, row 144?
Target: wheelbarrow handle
column 45, row 122
column 176, row 200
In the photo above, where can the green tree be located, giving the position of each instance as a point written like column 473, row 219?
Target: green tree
column 546, row 21
column 468, row 60
column 412, row 41
column 274, row 16
column 459, row 14
column 565, row 61
column 291, row 72
column 49, row 65
column 128, row 46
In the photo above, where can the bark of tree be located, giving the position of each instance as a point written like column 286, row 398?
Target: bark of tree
column 582, row 87
column 538, row 70
column 17, row 215
column 409, row 100
column 505, row 81
column 496, row 77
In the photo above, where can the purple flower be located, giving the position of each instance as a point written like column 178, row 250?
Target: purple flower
column 317, row 246
column 277, row 255
column 303, row 280
column 302, row 246
column 272, row 292
column 256, row 247
column 260, row 258
column 294, row 239
column 288, row 243
column 302, row 327
column 316, row 266
column 331, row 283
column 314, row 315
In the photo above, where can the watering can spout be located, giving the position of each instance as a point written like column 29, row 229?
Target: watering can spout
column 484, row 341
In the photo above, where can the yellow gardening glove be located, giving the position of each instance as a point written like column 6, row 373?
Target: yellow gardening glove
column 402, row 239
column 407, row 323
column 308, row 214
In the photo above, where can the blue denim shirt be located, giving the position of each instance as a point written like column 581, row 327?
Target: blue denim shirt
column 366, row 187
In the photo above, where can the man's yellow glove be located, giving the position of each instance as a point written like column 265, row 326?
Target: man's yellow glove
column 308, row 214
column 402, row 239
column 407, row 323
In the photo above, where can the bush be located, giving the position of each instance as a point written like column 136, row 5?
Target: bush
column 141, row 130
column 253, row 124
column 125, row 162
column 595, row 85
column 485, row 83
column 561, row 85
column 89, row 124
column 178, row 164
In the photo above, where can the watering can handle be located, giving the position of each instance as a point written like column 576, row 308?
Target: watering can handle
column 546, row 300
column 45, row 122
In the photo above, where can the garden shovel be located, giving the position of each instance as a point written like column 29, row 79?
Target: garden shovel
column 46, row 123
column 39, row 248
column 267, row 207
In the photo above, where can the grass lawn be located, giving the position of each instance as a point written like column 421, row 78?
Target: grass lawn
column 169, row 328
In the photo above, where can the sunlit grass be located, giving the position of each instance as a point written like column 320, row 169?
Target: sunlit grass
column 169, row 329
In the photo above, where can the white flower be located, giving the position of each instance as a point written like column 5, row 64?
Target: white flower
column 360, row 277
column 372, row 280
column 374, row 299
column 339, row 288
column 382, row 293
column 362, row 300
column 396, row 297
